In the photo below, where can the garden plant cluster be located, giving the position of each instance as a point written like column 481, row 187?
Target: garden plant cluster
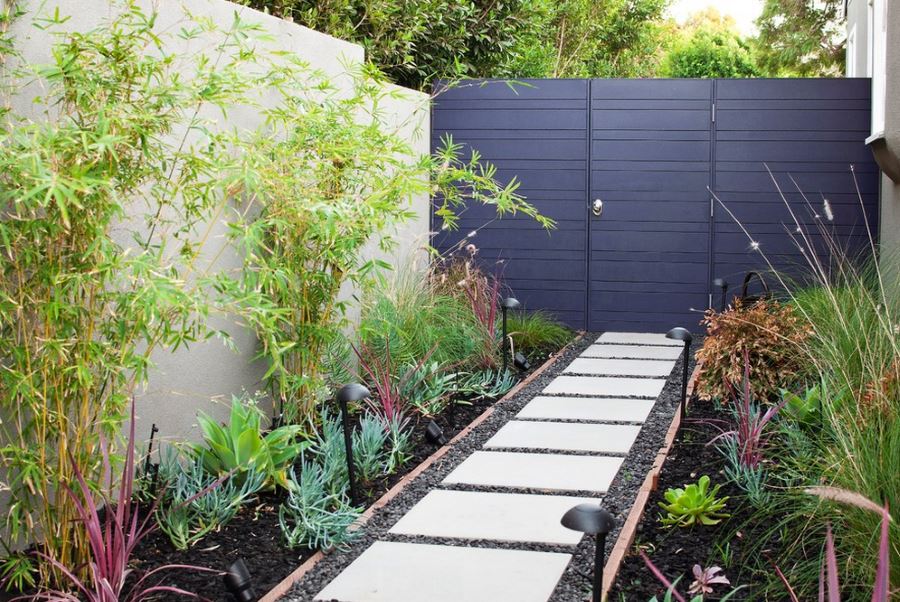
column 797, row 418
column 110, row 197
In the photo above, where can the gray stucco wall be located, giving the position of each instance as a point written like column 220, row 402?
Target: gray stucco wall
column 890, row 190
column 205, row 376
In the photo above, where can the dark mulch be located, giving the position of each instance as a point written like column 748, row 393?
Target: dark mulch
column 676, row 550
column 255, row 535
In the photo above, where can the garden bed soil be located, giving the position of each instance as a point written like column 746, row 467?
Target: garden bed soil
column 575, row 583
column 676, row 550
column 255, row 535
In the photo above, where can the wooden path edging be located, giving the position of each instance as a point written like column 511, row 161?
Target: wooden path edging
column 629, row 529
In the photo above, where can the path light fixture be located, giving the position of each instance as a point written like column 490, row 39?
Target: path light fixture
column 239, row 583
column 506, row 305
column 352, row 392
column 592, row 519
column 720, row 283
column 521, row 362
column 682, row 334
column 434, row 434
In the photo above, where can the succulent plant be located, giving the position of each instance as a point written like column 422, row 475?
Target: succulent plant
column 694, row 504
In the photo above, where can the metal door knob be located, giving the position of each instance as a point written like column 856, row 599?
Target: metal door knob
column 597, row 207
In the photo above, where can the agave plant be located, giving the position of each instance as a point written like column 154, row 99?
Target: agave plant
column 241, row 447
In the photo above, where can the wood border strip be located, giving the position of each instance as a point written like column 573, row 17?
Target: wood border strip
column 282, row 587
column 629, row 529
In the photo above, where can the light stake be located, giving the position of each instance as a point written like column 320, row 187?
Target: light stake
column 346, row 394
column 592, row 519
column 682, row 334
column 724, row 286
column 506, row 305
column 239, row 582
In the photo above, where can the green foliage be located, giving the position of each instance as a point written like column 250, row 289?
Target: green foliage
column 585, row 38
column 485, row 383
column 431, row 389
column 17, row 572
column 330, row 453
column 417, row 41
column 400, row 443
column 695, row 504
column 241, row 448
column 369, row 440
column 329, row 173
column 711, row 54
column 194, row 503
column 405, row 310
column 536, row 333
column 804, row 407
column 120, row 128
column 313, row 516
column 753, row 480
column 801, row 38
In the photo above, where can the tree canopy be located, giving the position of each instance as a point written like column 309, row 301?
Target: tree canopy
column 801, row 38
column 710, row 46
column 416, row 41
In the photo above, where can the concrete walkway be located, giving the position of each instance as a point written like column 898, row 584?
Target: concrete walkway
column 567, row 441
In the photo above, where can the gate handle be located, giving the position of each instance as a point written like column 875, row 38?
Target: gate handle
column 597, row 207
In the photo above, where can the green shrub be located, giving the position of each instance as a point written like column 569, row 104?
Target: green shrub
column 240, row 447
column 536, row 333
column 404, row 311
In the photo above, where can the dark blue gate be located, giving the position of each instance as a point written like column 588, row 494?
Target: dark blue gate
column 651, row 151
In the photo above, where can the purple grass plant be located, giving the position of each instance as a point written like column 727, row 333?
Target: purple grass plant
column 749, row 432
column 114, row 530
column 377, row 370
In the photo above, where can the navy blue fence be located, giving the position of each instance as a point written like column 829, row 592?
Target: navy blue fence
column 652, row 151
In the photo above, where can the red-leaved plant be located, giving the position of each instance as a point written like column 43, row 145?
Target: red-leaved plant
column 748, row 434
column 377, row 370
column 114, row 531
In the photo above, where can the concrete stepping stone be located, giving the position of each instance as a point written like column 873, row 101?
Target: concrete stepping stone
column 565, row 436
column 639, row 352
column 406, row 572
column 590, row 365
column 536, row 471
column 496, row 516
column 588, row 408
column 638, row 338
column 606, row 386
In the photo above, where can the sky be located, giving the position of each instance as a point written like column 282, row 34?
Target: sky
column 743, row 11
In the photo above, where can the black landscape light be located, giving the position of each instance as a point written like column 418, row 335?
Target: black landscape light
column 521, row 362
column 434, row 434
column 346, row 394
column 592, row 519
column 724, row 286
column 506, row 305
column 239, row 583
column 682, row 334
column 153, row 431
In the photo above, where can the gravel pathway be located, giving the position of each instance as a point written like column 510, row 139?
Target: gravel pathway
column 482, row 523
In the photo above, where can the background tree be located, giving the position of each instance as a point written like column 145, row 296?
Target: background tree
column 417, row 41
column 801, row 38
column 589, row 38
column 710, row 47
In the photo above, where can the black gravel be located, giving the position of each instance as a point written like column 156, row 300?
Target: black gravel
column 574, row 585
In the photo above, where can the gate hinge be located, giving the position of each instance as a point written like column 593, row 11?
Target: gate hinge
column 710, row 301
column 711, row 206
column 713, row 112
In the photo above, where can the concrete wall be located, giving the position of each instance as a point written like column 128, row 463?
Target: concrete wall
column 205, row 376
